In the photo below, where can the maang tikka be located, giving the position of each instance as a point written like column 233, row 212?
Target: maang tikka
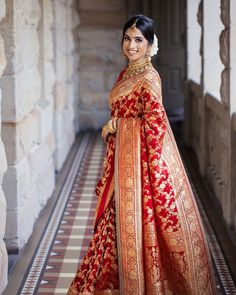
column 133, row 27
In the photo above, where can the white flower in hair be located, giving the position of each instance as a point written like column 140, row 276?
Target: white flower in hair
column 154, row 47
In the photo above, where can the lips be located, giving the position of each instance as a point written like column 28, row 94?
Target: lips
column 132, row 51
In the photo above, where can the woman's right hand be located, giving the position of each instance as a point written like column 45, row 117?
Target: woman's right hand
column 109, row 128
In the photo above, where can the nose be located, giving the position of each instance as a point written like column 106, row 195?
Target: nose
column 132, row 43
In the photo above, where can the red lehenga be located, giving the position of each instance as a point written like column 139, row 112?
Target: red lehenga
column 148, row 236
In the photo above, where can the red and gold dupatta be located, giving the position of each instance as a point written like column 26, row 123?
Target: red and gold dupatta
column 128, row 200
column 160, row 238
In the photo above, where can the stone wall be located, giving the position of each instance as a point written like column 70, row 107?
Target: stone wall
column 233, row 170
column 101, row 57
column 65, row 61
column 26, row 118
column 3, row 167
column 232, row 90
column 209, row 127
column 39, row 105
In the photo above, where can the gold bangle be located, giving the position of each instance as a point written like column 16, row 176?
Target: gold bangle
column 110, row 127
column 114, row 124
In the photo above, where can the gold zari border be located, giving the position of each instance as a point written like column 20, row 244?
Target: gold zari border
column 129, row 207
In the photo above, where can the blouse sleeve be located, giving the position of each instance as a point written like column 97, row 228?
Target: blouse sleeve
column 153, row 117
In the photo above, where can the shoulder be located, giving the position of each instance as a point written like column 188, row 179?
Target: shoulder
column 152, row 76
column 151, row 81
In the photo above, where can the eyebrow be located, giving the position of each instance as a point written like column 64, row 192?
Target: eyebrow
column 126, row 35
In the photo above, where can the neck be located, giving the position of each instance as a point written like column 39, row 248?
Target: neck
column 137, row 66
column 139, row 62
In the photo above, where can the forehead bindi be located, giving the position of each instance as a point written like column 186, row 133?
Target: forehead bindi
column 134, row 33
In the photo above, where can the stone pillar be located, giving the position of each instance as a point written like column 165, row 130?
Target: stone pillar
column 211, row 102
column 74, row 58
column 195, row 112
column 226, row 202
column 233, row 173
column 233, row 109
column 66, row 69
column 194, row 73
column 27, row 112
column 3, row 167
column 101, row 58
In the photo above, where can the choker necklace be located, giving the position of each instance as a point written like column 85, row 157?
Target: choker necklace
column 137, row 67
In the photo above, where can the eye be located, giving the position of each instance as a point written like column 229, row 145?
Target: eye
column 139, row 40
column 126, row 38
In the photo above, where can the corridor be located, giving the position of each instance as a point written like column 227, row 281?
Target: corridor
column 61, row 237
column 59, row 60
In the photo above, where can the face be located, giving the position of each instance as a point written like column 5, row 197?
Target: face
column 135, row 45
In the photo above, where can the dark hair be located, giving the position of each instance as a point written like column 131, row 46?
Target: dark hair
column 144, row 24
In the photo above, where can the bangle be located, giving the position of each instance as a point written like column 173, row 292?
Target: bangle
column 114, row 124
column 110, row 127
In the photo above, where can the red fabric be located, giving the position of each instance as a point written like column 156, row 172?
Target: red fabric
column 169, row 238
column 99, row 269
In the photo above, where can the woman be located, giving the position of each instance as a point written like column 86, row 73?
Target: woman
column 148, row 237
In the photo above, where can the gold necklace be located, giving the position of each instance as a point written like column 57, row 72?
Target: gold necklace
column 136, row 67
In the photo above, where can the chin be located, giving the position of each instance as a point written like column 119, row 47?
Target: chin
column 133, row 58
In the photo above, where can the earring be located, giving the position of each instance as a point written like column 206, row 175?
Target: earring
column 148, row 54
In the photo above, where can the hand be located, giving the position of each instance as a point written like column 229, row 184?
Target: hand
column 104, row 132
column 109, row 128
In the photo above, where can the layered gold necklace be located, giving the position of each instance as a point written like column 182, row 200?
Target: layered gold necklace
column 136, row 67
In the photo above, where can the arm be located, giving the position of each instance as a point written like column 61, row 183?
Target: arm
column 153, row 129
column 109, row 128
column 153, row 117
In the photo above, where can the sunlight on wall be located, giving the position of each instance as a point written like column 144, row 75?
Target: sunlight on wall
column 212, row 63
column 194, row 37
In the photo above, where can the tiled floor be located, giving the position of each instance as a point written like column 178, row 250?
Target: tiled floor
column 54, row 263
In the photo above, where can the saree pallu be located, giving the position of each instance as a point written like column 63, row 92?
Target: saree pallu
column 148, row 236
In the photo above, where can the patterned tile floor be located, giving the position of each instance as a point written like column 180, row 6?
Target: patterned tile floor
column 69, row 229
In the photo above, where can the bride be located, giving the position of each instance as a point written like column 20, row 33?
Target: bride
column 148, row 236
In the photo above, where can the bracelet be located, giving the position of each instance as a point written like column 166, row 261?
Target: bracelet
column 114, row 124
column 110, row 126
